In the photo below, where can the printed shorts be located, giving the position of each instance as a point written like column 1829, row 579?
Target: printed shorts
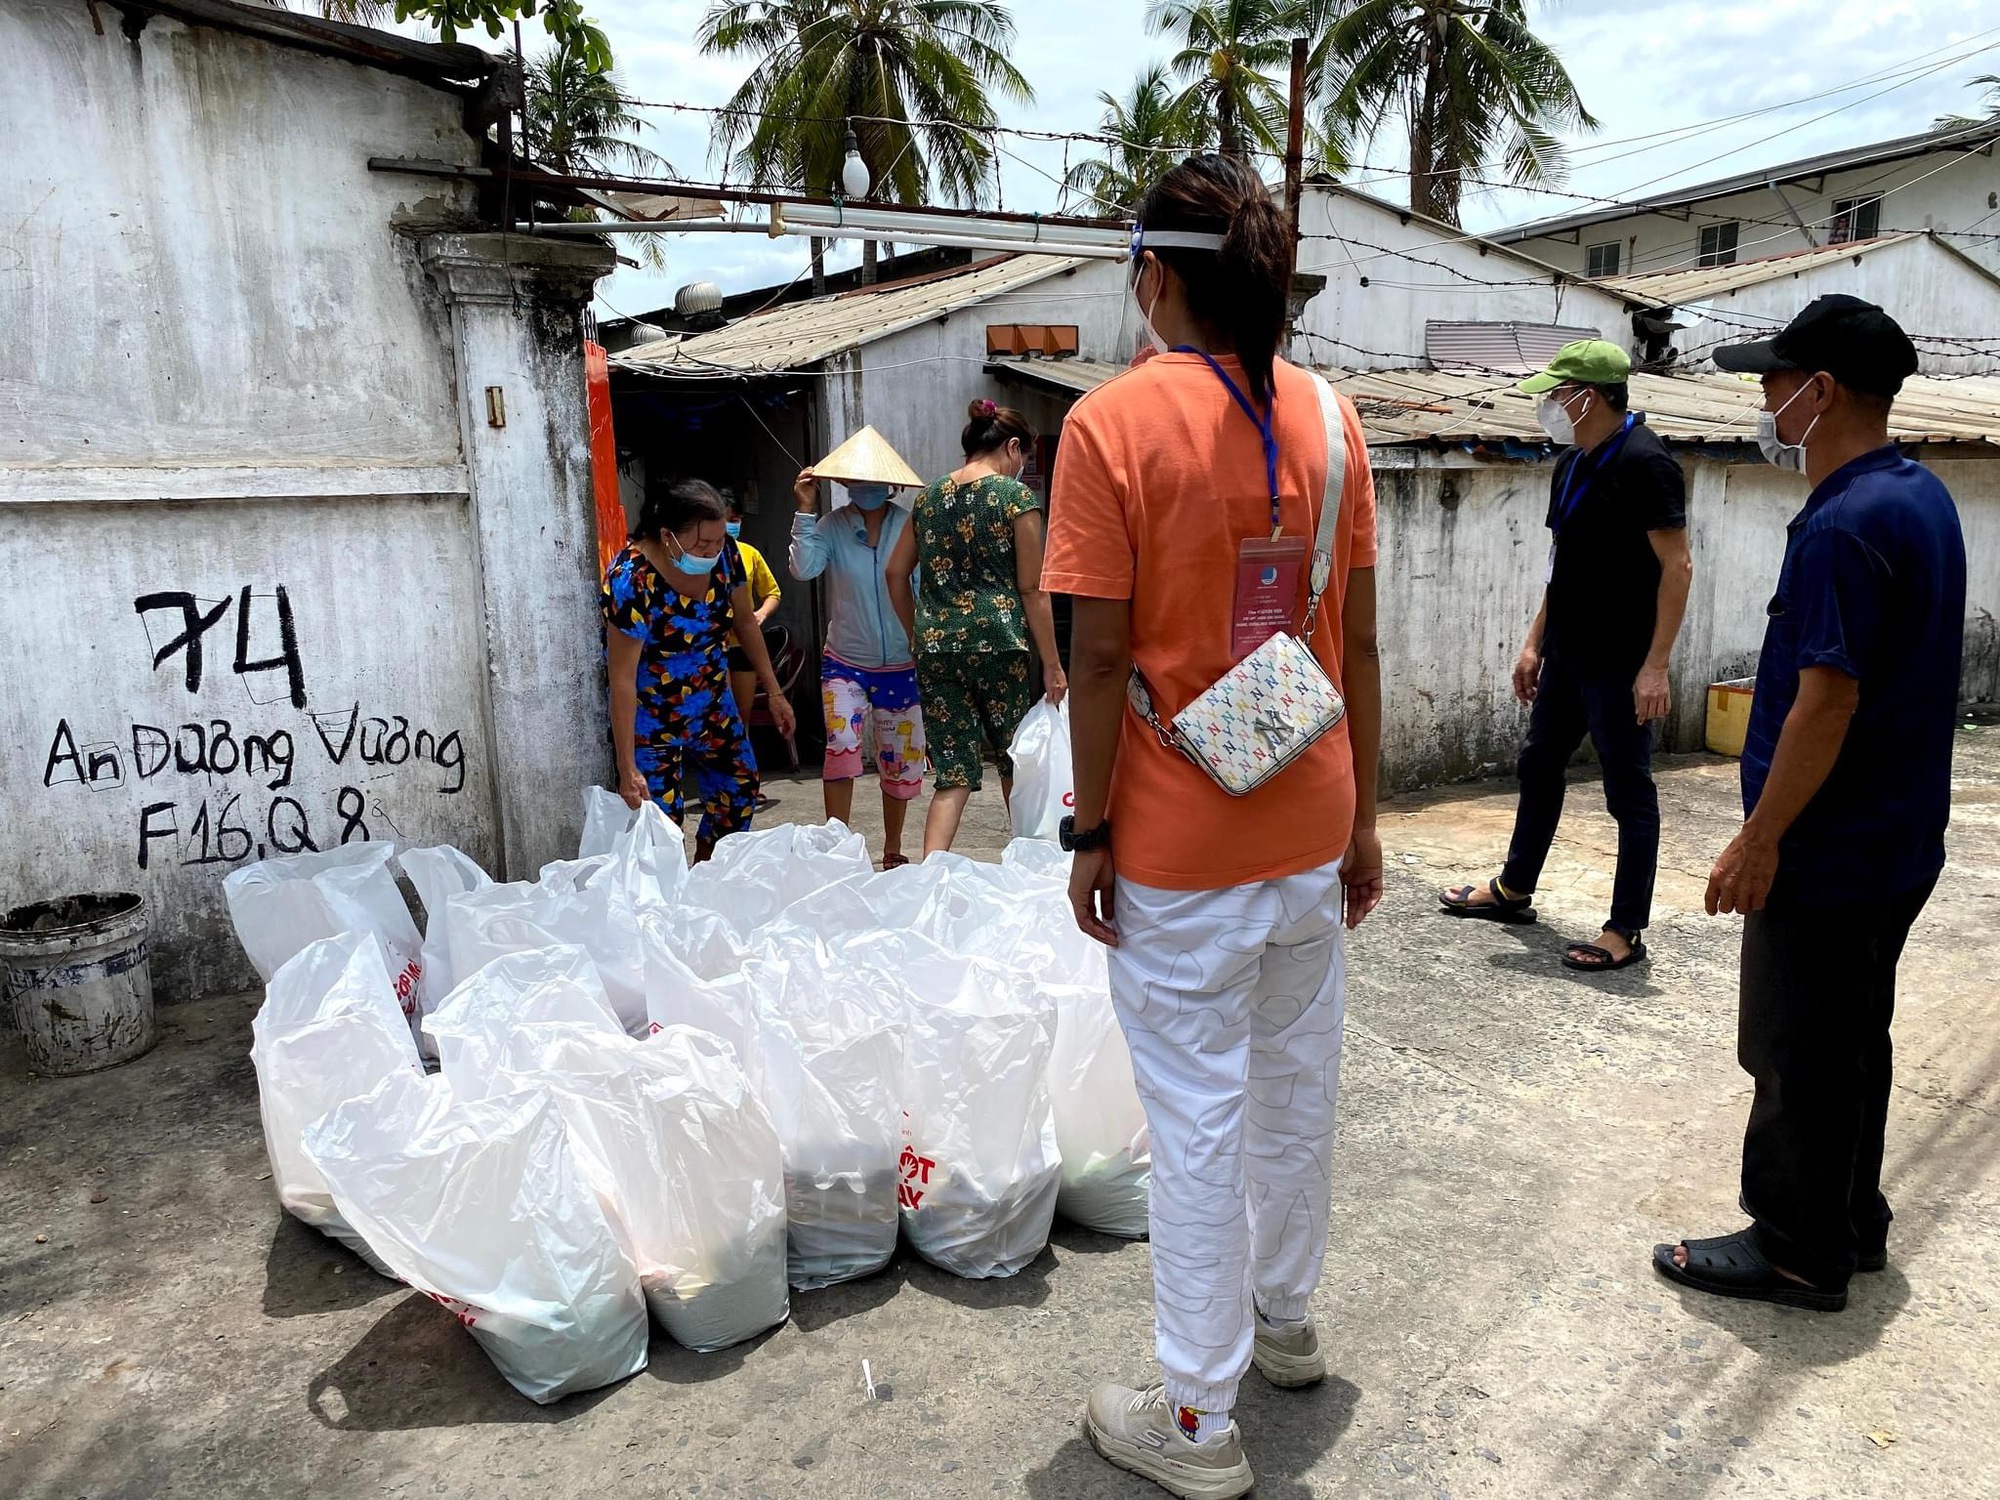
column 883, row 707
column 972, row 699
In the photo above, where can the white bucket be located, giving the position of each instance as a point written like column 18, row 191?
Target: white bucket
column 76, row 974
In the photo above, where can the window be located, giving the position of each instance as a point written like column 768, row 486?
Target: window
column 1855, row 219
column 1602, row 260
column 1718, row 245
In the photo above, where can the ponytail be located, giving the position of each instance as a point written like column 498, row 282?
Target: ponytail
column 1242, row 291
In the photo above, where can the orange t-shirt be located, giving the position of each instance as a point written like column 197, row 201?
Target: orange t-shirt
column 1159, row 479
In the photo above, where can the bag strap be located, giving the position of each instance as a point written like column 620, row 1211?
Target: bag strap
column 1325, row 534
column 1137, row 692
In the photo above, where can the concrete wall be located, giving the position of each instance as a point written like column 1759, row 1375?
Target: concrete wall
column 196, row 264
column 1372, row 312
column 914, row 386
column 1463, row 553
column 1945, row 190
column 276, row 583
column 1926, row 288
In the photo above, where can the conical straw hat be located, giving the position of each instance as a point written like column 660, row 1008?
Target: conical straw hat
column 867, row 458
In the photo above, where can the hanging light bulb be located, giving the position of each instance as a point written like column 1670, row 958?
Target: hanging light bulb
column 854, row 179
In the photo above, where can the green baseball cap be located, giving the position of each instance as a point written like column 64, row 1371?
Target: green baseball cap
column 1586, row 362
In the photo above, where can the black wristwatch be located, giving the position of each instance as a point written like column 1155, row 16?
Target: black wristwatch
column 1086, row 842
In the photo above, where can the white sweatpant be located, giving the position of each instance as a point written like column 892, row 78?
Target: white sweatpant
column 1233, row 1002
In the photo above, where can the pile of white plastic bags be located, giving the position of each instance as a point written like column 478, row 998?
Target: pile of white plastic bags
column 682, row 1092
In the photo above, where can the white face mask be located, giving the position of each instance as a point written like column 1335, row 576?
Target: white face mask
column 1556, row 422
column 1791, row 456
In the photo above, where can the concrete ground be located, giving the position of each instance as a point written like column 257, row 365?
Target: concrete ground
column 1513, row 1141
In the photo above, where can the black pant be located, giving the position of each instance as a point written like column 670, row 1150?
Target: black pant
column 1818, row 994
column 1568, row 705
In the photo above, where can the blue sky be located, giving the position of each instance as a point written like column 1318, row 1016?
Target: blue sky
column 1643, row 66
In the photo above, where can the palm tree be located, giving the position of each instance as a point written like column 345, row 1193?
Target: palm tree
column 1468, row 78
column 574, row 119
column 355, row 12
column 1991, row 83
column 1231, row 54
column 914, row 76
column 1150, row 127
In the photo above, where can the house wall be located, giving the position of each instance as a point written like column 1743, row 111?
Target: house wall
column 275, row 583
column 1925, row 288
column 914, row 386
column 1943, row 190
column 1380, row 325
column 1460, row 577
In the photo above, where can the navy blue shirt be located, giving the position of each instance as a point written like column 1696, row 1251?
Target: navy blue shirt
column 1873, row 586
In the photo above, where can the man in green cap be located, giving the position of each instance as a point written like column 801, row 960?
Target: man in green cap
column 1595, row 661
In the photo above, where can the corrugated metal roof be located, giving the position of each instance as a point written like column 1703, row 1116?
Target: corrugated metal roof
column 1683, row 287
column 1452, row 407
column 1521, row 347
column 800, row 334
column 1400, row 406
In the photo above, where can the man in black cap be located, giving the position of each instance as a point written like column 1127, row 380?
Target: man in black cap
column 1846, row 793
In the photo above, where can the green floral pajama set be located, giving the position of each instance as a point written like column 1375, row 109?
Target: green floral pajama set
column 972, row 642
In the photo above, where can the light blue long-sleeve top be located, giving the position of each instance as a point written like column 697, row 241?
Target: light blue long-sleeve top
column 862, row 628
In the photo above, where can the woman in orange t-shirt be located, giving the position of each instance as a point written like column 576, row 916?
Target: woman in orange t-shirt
column 1224, row 914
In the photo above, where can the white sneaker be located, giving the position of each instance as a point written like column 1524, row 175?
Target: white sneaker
column 1289, row 1360
column 1137, row 1432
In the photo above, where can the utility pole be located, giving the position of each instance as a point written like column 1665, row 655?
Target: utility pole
column 1295, row 143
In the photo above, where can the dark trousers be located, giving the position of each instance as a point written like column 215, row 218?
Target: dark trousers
column 1818, row 994
column 1569, row 705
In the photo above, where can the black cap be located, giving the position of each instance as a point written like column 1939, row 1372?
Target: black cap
column 1855, row 342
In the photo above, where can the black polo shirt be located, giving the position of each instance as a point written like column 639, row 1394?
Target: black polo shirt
column 1604, row 579
column 1873, row 586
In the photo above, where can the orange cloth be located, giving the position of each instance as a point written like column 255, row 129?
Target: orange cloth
column 1159, row 479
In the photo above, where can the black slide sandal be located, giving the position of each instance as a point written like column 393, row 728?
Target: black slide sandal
column 1733, row 1266
column 1517, row 911
column 1600, row 960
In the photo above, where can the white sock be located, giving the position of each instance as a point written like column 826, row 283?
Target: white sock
column 1208, row 1424
column 1280, row 1325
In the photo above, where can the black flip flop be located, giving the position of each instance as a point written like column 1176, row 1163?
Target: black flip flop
column 1605, row 964
column 1515, row 911
column 1733, row 1266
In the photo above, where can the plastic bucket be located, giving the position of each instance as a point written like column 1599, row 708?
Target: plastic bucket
column 1729, row 715
column 75, row 972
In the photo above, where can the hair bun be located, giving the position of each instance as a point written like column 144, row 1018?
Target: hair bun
column 983, row 410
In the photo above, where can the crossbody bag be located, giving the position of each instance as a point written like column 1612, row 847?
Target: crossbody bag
column 1271, row 707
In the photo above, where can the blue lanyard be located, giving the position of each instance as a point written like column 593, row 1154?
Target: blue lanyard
column 1572, row 495
column 1262, row 421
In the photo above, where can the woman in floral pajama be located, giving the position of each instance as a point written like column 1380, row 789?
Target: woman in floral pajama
column 977, row 536
column 669, row 600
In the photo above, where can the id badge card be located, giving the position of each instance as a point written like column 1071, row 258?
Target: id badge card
column 1268, row 576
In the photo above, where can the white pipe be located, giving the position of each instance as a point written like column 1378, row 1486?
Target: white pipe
column 916, row 234
column 845, row 221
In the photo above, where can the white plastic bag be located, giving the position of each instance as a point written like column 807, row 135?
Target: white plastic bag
column 755, row 876
column 1037, row 857
column 829, row 1064
column 686, row 1161
column 605, row 819
column 1044, row 784
column 481, row 1205
column 438, row 873
column 980, row 1166
column 280, row 905
column 532, row 987
column 1107, row 1163
column 329, row 1031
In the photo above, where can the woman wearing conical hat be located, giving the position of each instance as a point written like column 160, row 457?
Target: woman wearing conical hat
column 868, row 677
column 976, row 534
